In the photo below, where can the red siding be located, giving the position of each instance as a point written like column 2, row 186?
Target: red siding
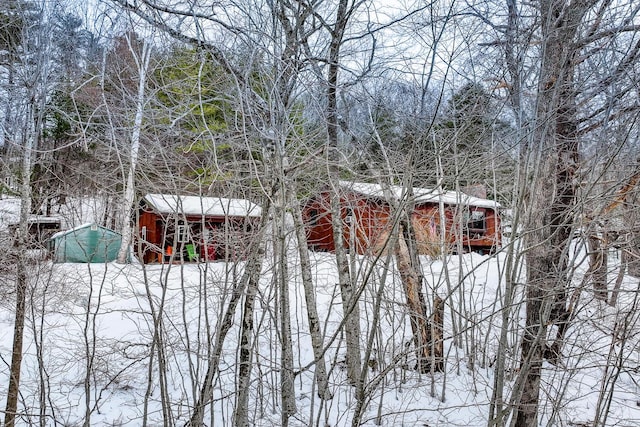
column 368, row 226
column 212, row 237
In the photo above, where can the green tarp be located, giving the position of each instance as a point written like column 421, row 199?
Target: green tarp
column 87, row 243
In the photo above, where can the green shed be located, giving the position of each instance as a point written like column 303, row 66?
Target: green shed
column 86, row 243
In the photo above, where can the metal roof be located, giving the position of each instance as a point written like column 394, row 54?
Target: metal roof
column 207, row 206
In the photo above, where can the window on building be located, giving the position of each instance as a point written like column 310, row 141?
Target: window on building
column 182, row 233
column 313, row 217
column 349, row 215
column 477, row 221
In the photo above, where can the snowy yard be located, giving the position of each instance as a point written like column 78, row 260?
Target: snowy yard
column 108, row 343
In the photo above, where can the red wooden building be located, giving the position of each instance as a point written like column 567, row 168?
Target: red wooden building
column 192, row 228
column 468, row 222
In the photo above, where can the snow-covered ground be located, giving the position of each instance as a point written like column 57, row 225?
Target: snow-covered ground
column 114, row 341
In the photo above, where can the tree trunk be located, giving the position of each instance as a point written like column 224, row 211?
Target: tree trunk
column 281, row 276
column 437, row 335
column 16, row 355
column 310, row 300
column 552, row 201
column 598, row 267
column 624, row 257
column 632, row 256
column 20, row 245
column 6, row 136
column 416, row 303
column 347, row 292
column 129, row 192
column 241, row 411
column 349, row 301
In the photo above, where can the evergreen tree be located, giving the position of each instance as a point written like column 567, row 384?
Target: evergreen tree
column 472, row 140
column 71, row 45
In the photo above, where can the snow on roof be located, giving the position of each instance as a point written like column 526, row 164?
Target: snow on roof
column 10, row 214
column 208, row 206
column 76, row 210
column 44, row 219
column 420, row 195
column 80, row 227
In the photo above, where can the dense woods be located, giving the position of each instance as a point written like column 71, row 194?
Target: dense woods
column 237, row 316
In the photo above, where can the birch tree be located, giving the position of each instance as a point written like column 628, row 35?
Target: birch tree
column 265, row 103
column 141, row 60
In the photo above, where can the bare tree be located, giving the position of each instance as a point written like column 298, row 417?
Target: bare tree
column 351, row 310
column 567, row 30
column 33, row 75
column 291, row 114
column 142, row 63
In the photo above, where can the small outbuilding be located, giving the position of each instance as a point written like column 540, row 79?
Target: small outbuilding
column 40, row 230
column 88, row 243
column 193, row 228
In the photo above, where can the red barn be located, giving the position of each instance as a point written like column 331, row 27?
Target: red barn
column 471, row 221
column 193, row 228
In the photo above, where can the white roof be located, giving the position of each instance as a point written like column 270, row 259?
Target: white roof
column 10, row 214
column 208, row 206
column 420, row 195
column 44, row 219
column 79, row 227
